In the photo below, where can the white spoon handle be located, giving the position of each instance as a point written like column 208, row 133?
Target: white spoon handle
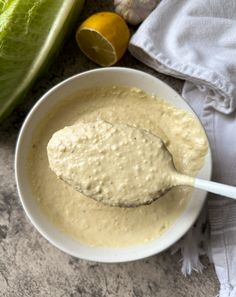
column 216, row 188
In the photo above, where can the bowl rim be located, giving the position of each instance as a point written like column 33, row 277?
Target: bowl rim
column 20, row 139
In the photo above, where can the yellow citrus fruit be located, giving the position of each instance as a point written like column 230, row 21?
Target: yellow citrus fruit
column 103, row 37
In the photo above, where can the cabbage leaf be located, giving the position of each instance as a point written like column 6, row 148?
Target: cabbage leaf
column 31, row 32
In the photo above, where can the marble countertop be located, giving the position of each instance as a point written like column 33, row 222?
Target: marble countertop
column 30, row 266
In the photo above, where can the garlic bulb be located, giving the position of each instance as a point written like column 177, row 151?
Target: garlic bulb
column 134, row 11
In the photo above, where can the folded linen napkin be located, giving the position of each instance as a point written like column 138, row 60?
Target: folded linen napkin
column 196, row 41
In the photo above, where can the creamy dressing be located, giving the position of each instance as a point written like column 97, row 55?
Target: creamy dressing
column 90, row 221
column 116, row 164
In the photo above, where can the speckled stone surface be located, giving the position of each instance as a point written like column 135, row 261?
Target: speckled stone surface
column 30, row 266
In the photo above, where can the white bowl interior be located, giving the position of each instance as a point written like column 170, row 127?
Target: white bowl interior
column 96, row 78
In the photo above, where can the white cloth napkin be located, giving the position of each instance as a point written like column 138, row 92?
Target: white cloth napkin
column 196, row 41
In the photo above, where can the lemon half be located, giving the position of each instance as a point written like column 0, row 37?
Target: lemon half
column 103, row 38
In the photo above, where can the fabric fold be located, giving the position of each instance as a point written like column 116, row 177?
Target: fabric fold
column 193, row 40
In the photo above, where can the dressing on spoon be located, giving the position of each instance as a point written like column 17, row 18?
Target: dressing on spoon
column 117, row 164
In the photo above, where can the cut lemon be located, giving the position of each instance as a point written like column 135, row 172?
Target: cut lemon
column 103, row 38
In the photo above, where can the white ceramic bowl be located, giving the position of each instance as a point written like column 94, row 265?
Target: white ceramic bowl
column 100, row 77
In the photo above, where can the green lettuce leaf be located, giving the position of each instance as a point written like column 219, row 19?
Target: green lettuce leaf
column 31, row 31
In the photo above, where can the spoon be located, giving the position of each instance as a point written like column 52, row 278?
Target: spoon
column 119, row 165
